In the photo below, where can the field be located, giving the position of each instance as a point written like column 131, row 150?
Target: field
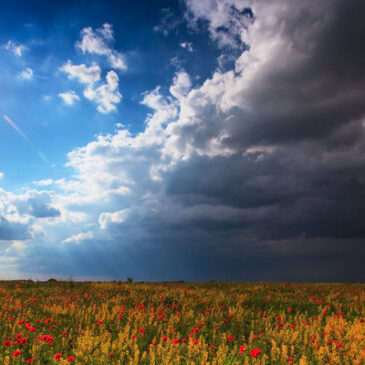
column 181, row 323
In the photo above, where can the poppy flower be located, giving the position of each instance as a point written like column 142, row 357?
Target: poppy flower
column 57, row 356
column 30, row 361
column 255, row 352
column 70, row 359
column 16, row 353
column 242, row 349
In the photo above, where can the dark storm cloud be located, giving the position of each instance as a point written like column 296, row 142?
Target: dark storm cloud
column 308, row 190
column 307, row 88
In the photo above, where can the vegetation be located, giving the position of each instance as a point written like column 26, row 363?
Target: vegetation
column 181, row 323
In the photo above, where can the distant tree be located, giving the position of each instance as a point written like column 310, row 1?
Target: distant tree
column 52, row 280
column 129, row 280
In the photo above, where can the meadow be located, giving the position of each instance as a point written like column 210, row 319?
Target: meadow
column 58, row 322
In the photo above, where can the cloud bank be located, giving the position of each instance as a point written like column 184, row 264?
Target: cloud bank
column 254, row 174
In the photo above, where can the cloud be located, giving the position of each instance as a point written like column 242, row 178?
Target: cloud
column 228, row 20
column 86, row 75
column 187, row 45
column 36, row 204
column 16, row 49
column 105, row 219
column 98, row 42
column 106, row 95
column 256, row 174
column 26, row 74
column 13, row 230
column 168, row 22
column 45, row 182
column 69, row 97
column 77, row 238
column 1, row 175
column 181, row 85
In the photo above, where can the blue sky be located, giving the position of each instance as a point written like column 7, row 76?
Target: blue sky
column 43, row 39
column 191, row 140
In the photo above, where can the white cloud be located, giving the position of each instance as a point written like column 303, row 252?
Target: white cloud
column 69, row 97
column 187, row 45
column 44, row 182
column 116, row 217
column 77, row 238
column 86, row 75
column 181, row 85
column 223, row 14
column 16, row 49
column 1, row 175
column 98, row 42
column 106, row 95
column 26, row 74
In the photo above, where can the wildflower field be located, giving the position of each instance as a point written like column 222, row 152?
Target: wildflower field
column 181, row 323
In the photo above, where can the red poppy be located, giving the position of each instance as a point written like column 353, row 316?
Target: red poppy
column 242, row 349
column 70, row 359
column 255, row 352
column 16, row 353
column 57, row 356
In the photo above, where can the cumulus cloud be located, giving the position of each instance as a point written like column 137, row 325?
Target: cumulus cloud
column 17, row 49
column 44, row 182
column 79, row 237
column 228, row 20
column 181, row 85
column 36, row 204
column 106, row 95
column 26, row 74
column 106, row 219
column 69, row 97
column 99, row 42
column 187, row 45
column 86, row 75
column 13, row 230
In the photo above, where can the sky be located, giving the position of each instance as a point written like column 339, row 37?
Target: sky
column 182, row 140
